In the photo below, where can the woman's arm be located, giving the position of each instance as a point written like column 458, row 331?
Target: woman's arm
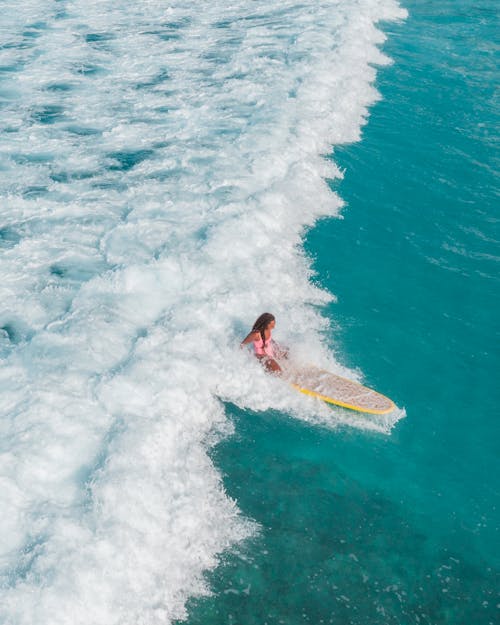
column 253, row 336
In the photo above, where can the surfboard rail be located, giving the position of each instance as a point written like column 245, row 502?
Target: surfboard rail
column 334, row 389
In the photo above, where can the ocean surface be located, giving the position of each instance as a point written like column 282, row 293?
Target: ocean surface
column 167, row 173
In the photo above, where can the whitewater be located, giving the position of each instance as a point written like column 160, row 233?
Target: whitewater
column 160, row 165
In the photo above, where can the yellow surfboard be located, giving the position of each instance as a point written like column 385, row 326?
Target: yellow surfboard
column 337, row 390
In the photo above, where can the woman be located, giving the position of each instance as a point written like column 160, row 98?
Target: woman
column 265, row 348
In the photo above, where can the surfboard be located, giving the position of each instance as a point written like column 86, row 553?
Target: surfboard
column 337, row 390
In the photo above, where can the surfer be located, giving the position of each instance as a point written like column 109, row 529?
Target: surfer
column 266, row 350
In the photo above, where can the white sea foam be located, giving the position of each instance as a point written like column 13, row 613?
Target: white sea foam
column 159, row 166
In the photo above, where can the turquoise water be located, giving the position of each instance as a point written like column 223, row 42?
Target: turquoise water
column 365, row 528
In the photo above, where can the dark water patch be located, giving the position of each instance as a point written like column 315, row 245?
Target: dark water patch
column 170, row 31
column 88, row 70
column 163, row 109
column 273, row 17
column 37, row 26
column 48, row 114
column 11, row 69
column 16, row 45
column 159, row 145
column 164, row 35
column 8, row 238
column 233, row 41
column 34, row 191
column 78, row 270
column 162, row 77
column 202, row 234
column 60, row 87
column 33, row 31
column 110, row 185
column 57, row 270
column 15, row 331
column 99, row 40
column 177, row 24
column 223, row 24
column 217, row 57
column 168, row 36
column 167, row 174
column 65, row 177
column 126, row 160
column 237, row 76
column 83, row 131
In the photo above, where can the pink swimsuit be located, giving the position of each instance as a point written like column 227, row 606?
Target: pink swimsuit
column 262, row 349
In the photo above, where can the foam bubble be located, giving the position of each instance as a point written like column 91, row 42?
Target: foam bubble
column 161, row 165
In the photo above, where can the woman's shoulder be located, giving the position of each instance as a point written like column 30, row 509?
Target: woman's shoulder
column 253, row 336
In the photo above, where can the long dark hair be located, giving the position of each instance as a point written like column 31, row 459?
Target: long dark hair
column 261, row 324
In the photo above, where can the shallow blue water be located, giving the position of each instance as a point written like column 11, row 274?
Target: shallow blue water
column 360, row 528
